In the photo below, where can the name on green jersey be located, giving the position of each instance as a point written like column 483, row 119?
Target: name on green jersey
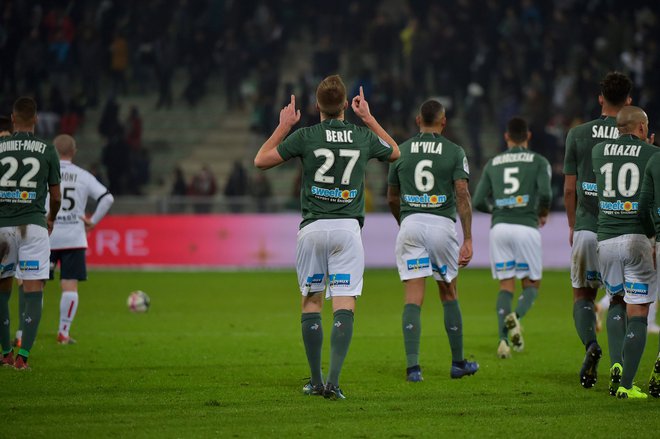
column 23, row 145
column 426, row 147
column 513, row 158
column 604, row 132
column 345, row 136
column 627, row 150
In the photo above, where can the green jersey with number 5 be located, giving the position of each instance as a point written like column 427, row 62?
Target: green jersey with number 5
column 425, row 174
column 619, row 167
column 515, row 187
column 28, row 167
column 334, row 156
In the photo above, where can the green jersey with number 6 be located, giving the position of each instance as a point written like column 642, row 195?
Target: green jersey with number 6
column 425, row 174
column 334, row 156
column 649, row 199
column 515, row 187
column 619, row 166
column 577, row 161
column 28, row 167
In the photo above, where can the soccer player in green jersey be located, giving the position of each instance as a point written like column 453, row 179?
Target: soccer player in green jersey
column 29, row 170
column 649, row 211
column 625, row 255
column 426, row 186
column 581, row 201
column 329, row 252
column 515, row 188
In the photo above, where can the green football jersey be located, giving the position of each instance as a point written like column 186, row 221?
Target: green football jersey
column 425, row 174
column 334, row 156
column 577, row 161
column 515, row 187
column 649, row 199
column 619, row 165
column 28, row 167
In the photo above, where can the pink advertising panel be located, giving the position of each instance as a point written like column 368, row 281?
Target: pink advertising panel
column 263, row 241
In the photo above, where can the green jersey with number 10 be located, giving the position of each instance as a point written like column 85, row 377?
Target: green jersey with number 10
column 28, row 167
column 334, row 156
column 619, row 166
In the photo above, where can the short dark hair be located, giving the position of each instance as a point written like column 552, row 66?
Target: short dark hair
column 5, row 124
column 331, row 96
column 431, row 111
column 25, row 110
column 517, row 129
column 615, row 88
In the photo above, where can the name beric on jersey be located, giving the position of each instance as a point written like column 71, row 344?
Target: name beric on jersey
column 616, row 149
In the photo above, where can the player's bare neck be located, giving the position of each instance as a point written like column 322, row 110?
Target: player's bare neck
column 430, row 130
column 610, row 110
column 326, row 117
column 511, row 145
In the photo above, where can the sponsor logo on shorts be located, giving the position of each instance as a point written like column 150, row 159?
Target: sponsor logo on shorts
column 659, row 211
column 17, row 196
column 589, row 189
column 521, row 266
column 505, row 266
column 6, row 268
column 637, row 288
column 418, row 264
column 340, row 280
column 425, row 200
column 315, row 279
column 613, row 289
column 335, row 195
column 28, row 265
column 619, row 207
column 441, row 270
column 517, row 201
column 593, row 275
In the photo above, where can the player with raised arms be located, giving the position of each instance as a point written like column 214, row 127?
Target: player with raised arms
column 581, row 201
column 426, row 186
column 625, row 254
column 329, row 252
column 29, row 171
column 515, row 188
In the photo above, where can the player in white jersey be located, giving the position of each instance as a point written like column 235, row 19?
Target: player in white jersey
column 68, row 242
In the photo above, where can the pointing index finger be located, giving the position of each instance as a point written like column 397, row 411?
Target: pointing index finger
column 293, row 100
column 361, row 93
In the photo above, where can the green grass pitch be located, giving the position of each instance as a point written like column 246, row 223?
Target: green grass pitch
column 220, row 355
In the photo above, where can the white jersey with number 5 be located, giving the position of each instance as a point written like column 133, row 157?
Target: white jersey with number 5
column 77, row 187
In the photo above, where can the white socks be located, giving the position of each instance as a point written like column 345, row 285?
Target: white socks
column 68, row 307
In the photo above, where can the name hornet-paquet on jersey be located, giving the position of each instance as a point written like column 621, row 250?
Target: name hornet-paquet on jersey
column 28, row 167
column 334, row 155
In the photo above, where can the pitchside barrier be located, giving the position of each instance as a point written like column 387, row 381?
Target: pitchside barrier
column 264, row 241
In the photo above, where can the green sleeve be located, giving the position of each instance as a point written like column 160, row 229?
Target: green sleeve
column 461, row 169
column 393, row 175
column 54, row 176
column 570, row 159
column 378, row 148
column 646, row 199
column 483, row 194
column 292, row 146
column 543, row 176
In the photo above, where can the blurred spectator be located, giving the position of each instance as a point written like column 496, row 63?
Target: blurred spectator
column 134, row 129
column 119, row 56
column 261, row 191
column 114, row 157
column 109, row 124
column 236, row 187
column 179, row 190
column 203, row 186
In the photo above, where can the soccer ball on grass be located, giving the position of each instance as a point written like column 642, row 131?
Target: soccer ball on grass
column 138, row 301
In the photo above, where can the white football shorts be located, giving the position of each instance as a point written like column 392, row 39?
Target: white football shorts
column 626, row 264
column 427, row 245
column 585, row 272
column 515, row 251
column 329, row 253
column 26, row 252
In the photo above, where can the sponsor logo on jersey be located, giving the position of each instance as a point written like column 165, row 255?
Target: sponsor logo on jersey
column 315, row 279
column 335, row 195
column 658, row 210
column 418, row 264
column 589, row 189
column 28, row 265
column 17, row 196
column 637, row 288
column 619, row 207
column 340, row 280
column 517, row 201
column 425, row 200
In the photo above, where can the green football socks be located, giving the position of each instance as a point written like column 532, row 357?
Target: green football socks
column 5, row 336
column 633, row 348
column 503, row 308
column 21, row 307
column 33, row 305
column 340, row 340
column 412, row 329
column 454, row 328
column 584, row 317
column 526, row 300
column 312, row 334
column 616, row 331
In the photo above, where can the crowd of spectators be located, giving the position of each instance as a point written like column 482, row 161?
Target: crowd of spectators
column 486, row 60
